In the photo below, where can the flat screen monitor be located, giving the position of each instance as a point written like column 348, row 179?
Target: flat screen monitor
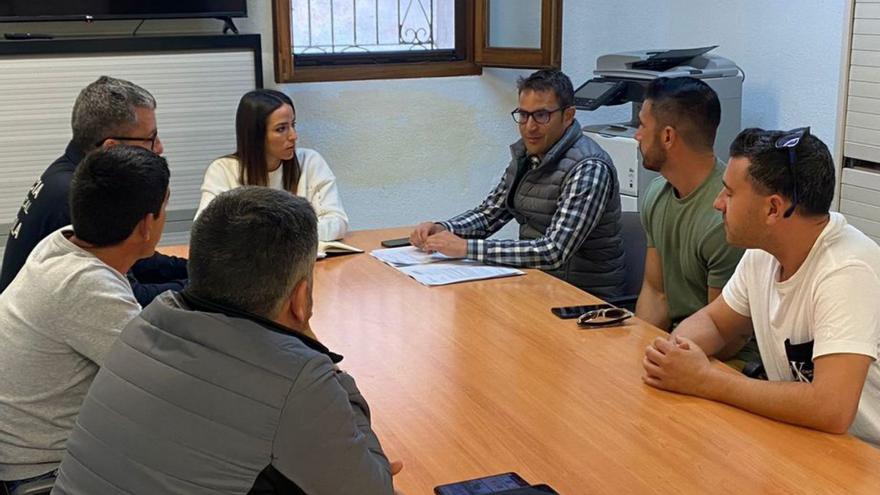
column 84, row 10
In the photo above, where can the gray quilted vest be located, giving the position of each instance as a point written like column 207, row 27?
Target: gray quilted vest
column 597, row 264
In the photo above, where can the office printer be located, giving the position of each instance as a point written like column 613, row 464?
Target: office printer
column 623, row 77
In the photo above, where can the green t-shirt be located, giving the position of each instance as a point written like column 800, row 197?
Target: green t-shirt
column 689, row 236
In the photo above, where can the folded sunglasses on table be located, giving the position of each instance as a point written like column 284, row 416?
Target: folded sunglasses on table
column 604, row 317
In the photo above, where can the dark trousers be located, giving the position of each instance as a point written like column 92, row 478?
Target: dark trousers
column 9, row 486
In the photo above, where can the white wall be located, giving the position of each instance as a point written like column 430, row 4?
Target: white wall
column 416, row 149
column 436, row 146
column 790, row 50
column 404, row 150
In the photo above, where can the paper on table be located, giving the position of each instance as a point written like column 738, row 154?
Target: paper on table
column 453, row 272
column 407, row 255
column 438, row 269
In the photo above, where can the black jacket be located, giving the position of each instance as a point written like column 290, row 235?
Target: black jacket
column 47, row 208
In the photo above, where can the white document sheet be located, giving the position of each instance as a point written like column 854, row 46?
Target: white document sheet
column 438, row 269
column 454, row 272
column 406, row 256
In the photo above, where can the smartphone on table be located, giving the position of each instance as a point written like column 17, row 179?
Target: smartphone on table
column 481, row 486
column 569, row 312
column 393, row 243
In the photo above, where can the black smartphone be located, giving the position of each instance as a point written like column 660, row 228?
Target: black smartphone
column 569, row 312
column 392, row 243
column 480, row 486
column 531, row 490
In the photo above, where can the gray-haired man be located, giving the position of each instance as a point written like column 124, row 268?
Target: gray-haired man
column 219, row 388
column 108, row 111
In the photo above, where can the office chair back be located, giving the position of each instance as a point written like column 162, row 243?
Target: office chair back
column 634, row 247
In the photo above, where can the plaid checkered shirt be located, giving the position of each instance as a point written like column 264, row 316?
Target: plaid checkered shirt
column 578, row 210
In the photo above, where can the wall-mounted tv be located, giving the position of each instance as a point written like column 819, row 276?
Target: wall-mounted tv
column 87, row 10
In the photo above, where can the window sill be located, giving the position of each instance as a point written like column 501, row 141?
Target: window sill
column 385, row 71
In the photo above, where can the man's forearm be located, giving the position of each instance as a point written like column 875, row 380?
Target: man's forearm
column 450, row 224
column 539, row 253
column 700, row 328
column 791, row 402
column 484, row 220
column 731, row 349
column 652, row 307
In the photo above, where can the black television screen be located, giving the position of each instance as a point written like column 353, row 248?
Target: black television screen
column 69, row 10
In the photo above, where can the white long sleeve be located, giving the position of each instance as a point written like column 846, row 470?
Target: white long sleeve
column 317, row 184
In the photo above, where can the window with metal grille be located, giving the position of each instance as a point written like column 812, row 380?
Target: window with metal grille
column 327, row 40
column 322, row 28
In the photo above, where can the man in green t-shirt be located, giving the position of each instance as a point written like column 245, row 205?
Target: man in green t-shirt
column 688, row 260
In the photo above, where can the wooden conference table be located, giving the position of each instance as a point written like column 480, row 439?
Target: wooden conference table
column 480, row 378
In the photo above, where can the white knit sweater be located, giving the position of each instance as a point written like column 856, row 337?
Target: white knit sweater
column 317, row 184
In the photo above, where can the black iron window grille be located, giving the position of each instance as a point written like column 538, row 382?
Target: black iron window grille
column 373, row 31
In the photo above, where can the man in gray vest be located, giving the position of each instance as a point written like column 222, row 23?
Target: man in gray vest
column 219, row 388
column 562, row 189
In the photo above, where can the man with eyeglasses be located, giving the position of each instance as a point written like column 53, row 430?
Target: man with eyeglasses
column 107, row 112
column 808, row 287
column 562, row 189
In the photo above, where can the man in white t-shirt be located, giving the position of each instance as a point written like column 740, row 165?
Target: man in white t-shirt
column 69, row 303
column 808, row 287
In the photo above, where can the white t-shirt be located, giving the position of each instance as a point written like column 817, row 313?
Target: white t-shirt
column 317, row 184
column 831, row 305
column 58, row 320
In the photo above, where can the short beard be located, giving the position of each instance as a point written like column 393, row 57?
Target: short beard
column 653, row 163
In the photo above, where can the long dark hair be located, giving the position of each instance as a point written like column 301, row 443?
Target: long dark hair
column 251, row 118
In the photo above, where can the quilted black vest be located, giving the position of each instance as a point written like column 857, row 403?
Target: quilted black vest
column 597, row 265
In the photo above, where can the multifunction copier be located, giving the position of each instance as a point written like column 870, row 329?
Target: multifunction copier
column 623, row 77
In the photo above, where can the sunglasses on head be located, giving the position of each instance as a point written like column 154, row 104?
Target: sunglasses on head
column 790, row 141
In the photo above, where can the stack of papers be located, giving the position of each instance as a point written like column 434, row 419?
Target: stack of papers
column 438, row 269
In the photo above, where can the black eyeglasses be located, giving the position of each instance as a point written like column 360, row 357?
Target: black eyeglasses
column 151, row 140
column 790, row 140
column 541, row 116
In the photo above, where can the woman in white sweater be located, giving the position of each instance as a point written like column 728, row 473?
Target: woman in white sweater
column 266, row 155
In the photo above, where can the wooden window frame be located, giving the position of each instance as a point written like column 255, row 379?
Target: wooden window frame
column 547, row 57
column 477, row 53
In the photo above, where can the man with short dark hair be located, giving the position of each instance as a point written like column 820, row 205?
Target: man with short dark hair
column 807, row 287
column 107, row 112
column 219, row 388
column 688, row 260
column 70, row 301
column 560, row 186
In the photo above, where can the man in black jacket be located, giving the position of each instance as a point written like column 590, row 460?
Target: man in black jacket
column 108, row 111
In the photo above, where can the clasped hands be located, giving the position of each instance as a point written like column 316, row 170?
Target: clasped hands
column 432, row 237
column 677, row 364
